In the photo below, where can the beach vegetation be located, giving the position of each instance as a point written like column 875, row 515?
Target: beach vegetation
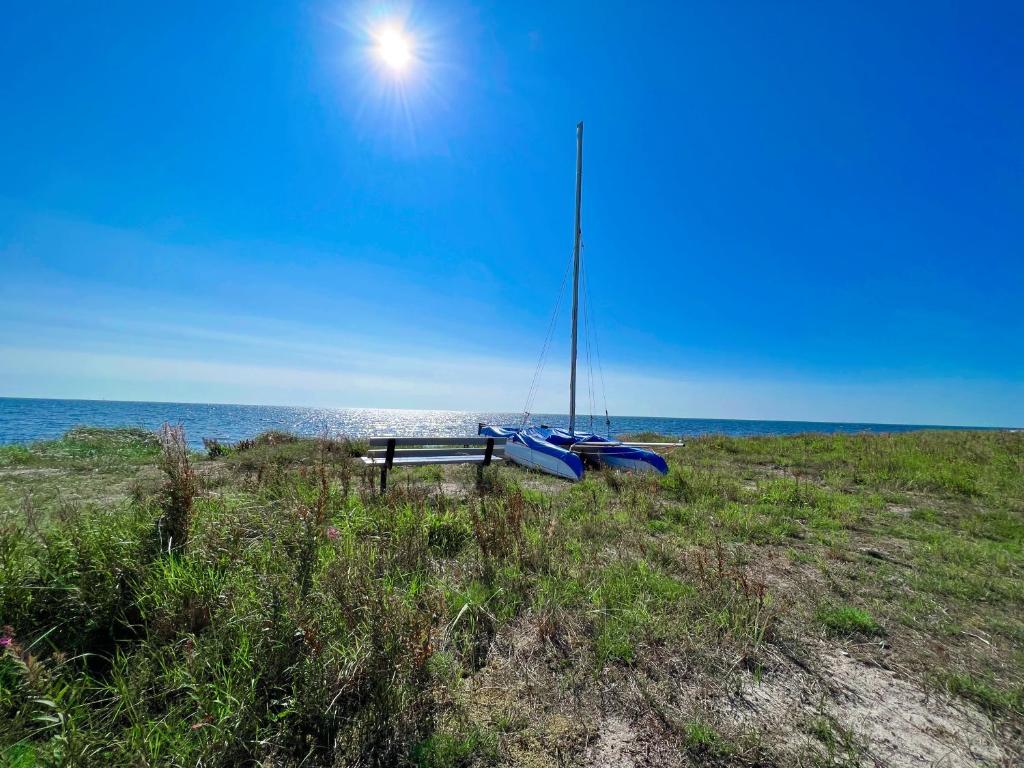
column 264, row 604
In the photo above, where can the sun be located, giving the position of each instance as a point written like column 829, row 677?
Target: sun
column 394, row 49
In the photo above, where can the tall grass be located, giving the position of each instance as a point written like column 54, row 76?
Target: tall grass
column 281, row 629
column 180, row 488
column 289, row 615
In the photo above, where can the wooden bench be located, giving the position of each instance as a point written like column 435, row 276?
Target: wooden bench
column 388, row 452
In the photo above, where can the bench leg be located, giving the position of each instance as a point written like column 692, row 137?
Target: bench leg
column 388, row 459
column 488, row 453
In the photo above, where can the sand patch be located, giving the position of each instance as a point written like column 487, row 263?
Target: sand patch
column 904, row 725
column 890, row 720
column 615, row 743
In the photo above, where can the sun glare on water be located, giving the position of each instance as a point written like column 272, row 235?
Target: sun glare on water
column 394, row 49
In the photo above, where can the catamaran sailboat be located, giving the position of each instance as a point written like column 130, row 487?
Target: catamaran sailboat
column 566, row 452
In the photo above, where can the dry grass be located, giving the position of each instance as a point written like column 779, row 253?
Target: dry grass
column 180, row 487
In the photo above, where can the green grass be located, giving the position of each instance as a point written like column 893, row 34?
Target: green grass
column 468, row 747
column 848, row 620
column 633, row 602
column 302, row 619
column 840, row 746
column 987, row 695
column 704, row 742
column 87, row 467
column 86, row 447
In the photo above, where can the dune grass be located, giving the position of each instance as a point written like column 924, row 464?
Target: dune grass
column 263, row 605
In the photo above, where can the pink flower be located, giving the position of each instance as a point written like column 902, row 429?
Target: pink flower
column 5, row 641
column 333, row 533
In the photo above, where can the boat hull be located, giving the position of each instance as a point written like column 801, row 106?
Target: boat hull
column 562, row 454
column 632, row 464
column 527, row 450
column 544, row 462
column 608, row 452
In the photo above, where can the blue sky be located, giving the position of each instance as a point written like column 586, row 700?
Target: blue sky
column 791, row 210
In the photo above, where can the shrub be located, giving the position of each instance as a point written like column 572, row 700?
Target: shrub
column 17, row 571
column 13, row 455
column 215, row 448
column 180, row 488
column 271, row 437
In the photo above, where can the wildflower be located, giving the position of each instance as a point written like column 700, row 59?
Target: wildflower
column 332, row 533
column 5, row 641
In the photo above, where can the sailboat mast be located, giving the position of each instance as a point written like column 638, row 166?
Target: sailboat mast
column 576, row 276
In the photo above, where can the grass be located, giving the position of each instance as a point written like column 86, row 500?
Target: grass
column 704, row 742
column 840, row 747
column 450, row 750
column 260, row 603
column 989, row 696
column 846, row 620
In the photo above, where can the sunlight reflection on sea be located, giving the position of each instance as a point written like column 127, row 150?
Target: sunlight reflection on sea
column 26, row 420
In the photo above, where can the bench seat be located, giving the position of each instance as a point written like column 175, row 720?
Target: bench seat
column 421, row 460
column 390, row 452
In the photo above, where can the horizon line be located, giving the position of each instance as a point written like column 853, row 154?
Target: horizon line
column 452, row 410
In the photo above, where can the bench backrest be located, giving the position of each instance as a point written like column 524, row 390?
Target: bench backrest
column 402, row 442
column 421, row 447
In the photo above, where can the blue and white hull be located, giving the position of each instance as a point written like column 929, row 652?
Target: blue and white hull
column 559, row 453
column 530, row 451
column 650, row 462
column 608, row 452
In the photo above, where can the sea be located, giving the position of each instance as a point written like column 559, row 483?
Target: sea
column 26, row 420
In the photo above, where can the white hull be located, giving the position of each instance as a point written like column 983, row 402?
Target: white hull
column 621, row 462
column 543, row 462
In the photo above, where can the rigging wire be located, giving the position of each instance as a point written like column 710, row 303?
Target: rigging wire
column 600, row 366
column 541, row 361
column 586, row 341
